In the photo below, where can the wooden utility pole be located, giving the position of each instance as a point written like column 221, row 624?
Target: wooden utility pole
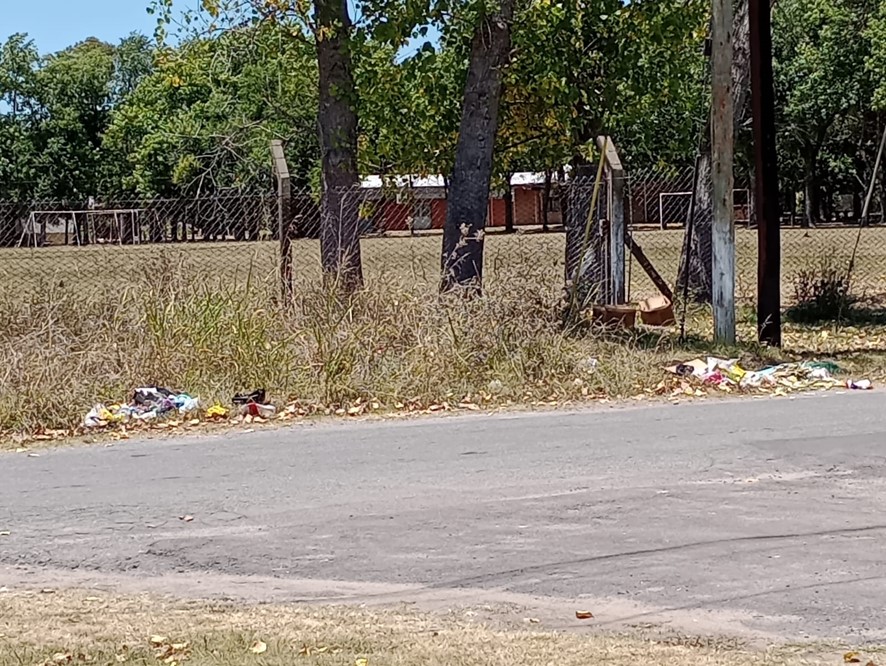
column 723, row 227
column 766, row 175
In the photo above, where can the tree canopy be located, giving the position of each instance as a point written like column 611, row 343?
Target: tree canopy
column 195, row 114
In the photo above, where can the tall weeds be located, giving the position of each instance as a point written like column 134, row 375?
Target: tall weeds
column 63, row 350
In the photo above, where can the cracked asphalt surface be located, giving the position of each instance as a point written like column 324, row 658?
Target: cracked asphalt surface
column 765, row 517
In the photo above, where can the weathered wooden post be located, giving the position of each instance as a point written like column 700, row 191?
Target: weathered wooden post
column 723, row 227
column 284, row 216
column 615, row 176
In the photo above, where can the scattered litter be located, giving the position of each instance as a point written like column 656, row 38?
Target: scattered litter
column 5, row 532
column 257, row 410
column 148, row 404
column 186, row 519
column 216, row 412
column 258, row 396
column 860, row 385
column 254, row 405
column 259, row 647
column 727, row 375
column 584, row 615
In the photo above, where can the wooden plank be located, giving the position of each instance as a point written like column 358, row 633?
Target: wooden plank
column 647, row 266
column 723, row 227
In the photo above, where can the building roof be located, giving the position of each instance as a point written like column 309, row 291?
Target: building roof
column 519, row 179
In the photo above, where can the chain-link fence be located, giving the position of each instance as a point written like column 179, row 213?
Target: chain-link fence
column 114, row 244
column 658, row 205
column 233, row 239
column 230, row 239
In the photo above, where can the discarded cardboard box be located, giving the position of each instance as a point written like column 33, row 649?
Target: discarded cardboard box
column 657, row 311
column 616, row 316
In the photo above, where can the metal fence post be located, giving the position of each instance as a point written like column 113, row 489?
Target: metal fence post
column 284, row 216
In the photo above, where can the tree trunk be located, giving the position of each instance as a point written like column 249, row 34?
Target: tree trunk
column 546, row 202
column 811, row 201
column 509, row 207
column 337, row 119
column 462, row 258
column 700, row 263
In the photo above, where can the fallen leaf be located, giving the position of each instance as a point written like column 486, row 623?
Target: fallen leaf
column 158, row 640
column 583, row 615
column 186, row 519
column 120, row 658
column 533, row 620
column 851, row 658
column 258, row 648
column 870, row 663
column 361, row 661
column 61, row 657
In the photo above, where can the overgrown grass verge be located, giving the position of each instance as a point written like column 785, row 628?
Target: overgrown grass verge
column 85, row 628
column 391, row 346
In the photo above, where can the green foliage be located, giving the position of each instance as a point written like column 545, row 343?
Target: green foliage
column 203, row 120
column 825, row 52
column 58, row 109
column 102, row 119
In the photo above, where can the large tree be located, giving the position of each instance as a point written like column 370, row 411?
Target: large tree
column 823, row 87
column 202, row 121
column 462, row 259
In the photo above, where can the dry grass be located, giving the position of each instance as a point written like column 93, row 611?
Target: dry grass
column 63, row 351
column 202, row 318
column 83, row 628
column 416, row 260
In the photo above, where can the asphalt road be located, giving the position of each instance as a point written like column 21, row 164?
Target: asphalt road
column 763, row 516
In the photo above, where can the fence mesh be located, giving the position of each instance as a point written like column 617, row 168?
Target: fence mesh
column 541, row 234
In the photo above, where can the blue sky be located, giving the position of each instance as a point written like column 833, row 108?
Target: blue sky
column 55, row 24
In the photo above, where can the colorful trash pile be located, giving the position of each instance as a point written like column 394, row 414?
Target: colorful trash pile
column 727, row 375
column 148, row 404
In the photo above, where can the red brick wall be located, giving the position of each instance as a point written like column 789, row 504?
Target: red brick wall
column 527, row 205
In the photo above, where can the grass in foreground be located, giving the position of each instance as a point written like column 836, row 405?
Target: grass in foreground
column 80, row 627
